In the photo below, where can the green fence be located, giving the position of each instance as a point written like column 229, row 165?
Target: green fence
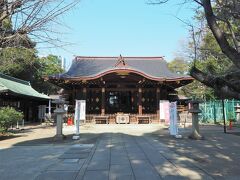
column 212, row 111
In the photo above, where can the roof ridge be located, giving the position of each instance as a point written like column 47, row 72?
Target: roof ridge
column 14, row 79
column 116, row 57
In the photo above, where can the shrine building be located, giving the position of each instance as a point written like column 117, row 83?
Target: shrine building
column 125, row 87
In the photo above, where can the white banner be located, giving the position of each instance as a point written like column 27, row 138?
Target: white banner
column 77, row 111
column 161, row 110
column 173, row 119
column 80, row 110
column 164, row 110
column 80, row 114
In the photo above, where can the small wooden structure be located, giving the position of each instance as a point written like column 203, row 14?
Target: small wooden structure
column 115, row 85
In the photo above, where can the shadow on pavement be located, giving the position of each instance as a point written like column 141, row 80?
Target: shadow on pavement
column 218, row 155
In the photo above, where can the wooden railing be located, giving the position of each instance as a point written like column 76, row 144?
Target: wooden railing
column 183, row 117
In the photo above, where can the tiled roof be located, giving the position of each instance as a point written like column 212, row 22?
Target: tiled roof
column 89, row 67
column 18, row 86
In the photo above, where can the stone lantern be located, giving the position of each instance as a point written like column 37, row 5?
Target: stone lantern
column 59, row 114
column 194, row 109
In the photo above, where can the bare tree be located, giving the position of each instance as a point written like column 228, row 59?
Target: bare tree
column 224, row 23
column 20, row 19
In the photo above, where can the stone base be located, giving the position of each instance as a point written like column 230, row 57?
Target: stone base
column 59, row 137
column 76, row 137
column 195, row 136
column 178, row 136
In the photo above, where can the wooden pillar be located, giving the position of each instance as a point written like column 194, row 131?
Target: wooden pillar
column 103, row 102
column 84, row 97
column 84, row 93
column 140, row 101
column 158, row 98
column 74, row 95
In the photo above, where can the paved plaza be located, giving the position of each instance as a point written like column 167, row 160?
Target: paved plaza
column 120, row 152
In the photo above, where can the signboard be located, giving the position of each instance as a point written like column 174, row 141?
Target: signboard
column 173, row 118
column 80, row 110
column 161, row 110
column 80, row 114
column 164, row 110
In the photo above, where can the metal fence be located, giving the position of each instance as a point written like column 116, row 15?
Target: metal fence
column 212, row 111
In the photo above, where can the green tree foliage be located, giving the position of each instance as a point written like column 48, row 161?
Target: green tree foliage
column 23, row 63
column 210, row 58
column 18, row 62
column 49, row 65
column 195, row 89
column 8, row 116
column 179, row 65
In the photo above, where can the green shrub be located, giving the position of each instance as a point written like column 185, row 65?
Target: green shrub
column 9, row 116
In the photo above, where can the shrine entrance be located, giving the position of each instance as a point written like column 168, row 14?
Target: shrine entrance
column 124, row 101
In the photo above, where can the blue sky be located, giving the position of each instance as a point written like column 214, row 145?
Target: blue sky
column 127, row 27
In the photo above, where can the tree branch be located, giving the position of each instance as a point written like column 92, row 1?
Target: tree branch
column 223, row 88
column 226, row 48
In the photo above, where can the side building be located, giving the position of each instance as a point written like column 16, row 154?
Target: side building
column 120, row 85
column 20, row 95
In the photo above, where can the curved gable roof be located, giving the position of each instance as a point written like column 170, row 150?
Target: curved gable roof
column 91, row 67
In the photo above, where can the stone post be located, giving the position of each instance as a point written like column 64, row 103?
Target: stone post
column 194, row 109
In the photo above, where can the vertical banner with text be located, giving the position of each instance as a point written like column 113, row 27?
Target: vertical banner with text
column 80, row 113
column 173, row 119
column 82, row 110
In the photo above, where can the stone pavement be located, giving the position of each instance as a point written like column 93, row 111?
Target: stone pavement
column 122, row 157
column 122, row 152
